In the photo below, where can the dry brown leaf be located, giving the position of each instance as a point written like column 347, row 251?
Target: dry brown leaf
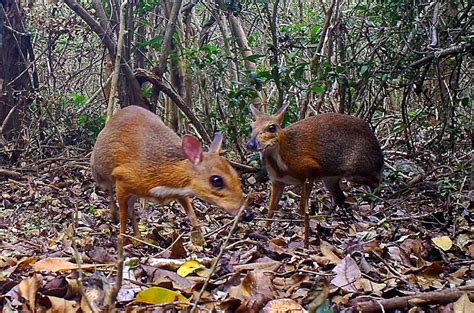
column 94, row 298
column 59, row 265
column 60, row 305
column 282, row 305
column 463, row 305
column 368, row 286
column 444, row 242
column 169, row 279
column 28, row 289
column 327, row 252
column 177, row 250
column 347, row 273
column 255, row 291
column 270, row 266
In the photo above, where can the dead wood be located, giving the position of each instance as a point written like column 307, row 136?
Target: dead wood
column 404, row 303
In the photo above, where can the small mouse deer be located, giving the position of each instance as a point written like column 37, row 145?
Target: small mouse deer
column 326, row 146
column 140, row 157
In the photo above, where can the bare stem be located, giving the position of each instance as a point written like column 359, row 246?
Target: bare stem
column 219, row 256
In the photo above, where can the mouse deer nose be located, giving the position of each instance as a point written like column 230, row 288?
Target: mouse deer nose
column 252, row 144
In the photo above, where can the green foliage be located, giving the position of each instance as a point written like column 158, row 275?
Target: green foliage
column 91, row 124
column 78, row 99
column 146, row 6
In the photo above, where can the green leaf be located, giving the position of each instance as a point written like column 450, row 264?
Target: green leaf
column 318, row 89
column 156, row 42
column 78, row 99
column 159, row 295
column 212, row 49
column 364, row 71
column 340, row 69
column 314, row 32
column 264, row 74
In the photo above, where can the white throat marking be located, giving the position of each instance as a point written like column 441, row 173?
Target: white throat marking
column 162, row 192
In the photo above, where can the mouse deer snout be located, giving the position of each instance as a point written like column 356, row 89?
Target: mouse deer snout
column 253, row 144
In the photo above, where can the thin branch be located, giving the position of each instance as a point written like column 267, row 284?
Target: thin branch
column 118, row 58
column 169, row 33
column 442, row 53
column 405, row 303
column 219, row 256
column 145, row 75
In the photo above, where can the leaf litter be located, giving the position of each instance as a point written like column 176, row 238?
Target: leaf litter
column 58, row 250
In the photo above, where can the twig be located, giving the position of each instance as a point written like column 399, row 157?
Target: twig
column 171, row 245
column 290, row 220
column 78, row 259
column 244, row 167
column 394, row 271
column 111, row 297
column 144, row 242
column 402, row 218
column 145, row 75
column 404, row 303
column 9, row 174
column 218, row 230
column 118, row 59
column 7, row 119
column 219, row 256
column 442, row 53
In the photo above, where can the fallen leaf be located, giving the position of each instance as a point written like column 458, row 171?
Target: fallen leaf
column 28, row 289
column 282, row 305
column 189, row 267
column 463, row 305
column 165, row 278
column 327, row 252
column 53, row 265
column 60, row 305
column 347, row 273
column 159, row 295
column 177, row 250
column 270, row 266
column 317, row 296
column 444, row 242
column 59, row 265
column 368, row 286
column 255, row 291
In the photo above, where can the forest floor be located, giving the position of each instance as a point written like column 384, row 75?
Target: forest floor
column 414, row 238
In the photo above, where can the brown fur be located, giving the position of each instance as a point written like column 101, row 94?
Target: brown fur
column 325, row 146
column 136, row 152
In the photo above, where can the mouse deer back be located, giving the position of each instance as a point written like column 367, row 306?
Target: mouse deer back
column 140, row 157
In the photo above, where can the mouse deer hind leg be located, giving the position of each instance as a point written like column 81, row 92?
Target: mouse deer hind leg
column 332, row 185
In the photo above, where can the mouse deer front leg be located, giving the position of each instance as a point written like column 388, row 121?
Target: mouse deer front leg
column 277, row 192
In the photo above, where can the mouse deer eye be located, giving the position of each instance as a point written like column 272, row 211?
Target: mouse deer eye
column 273, row 128
column 216, row 181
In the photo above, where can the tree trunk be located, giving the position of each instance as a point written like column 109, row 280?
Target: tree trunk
column 16, row 80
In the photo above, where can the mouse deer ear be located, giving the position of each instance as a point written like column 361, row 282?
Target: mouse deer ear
column 254, row 110
column 216, row 143
column 280, row 114
column 192, row 148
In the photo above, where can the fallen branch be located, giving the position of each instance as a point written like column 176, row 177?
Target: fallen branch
column 244, row 167
column 219, row 256
column 405, row 303
column 9, row 174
